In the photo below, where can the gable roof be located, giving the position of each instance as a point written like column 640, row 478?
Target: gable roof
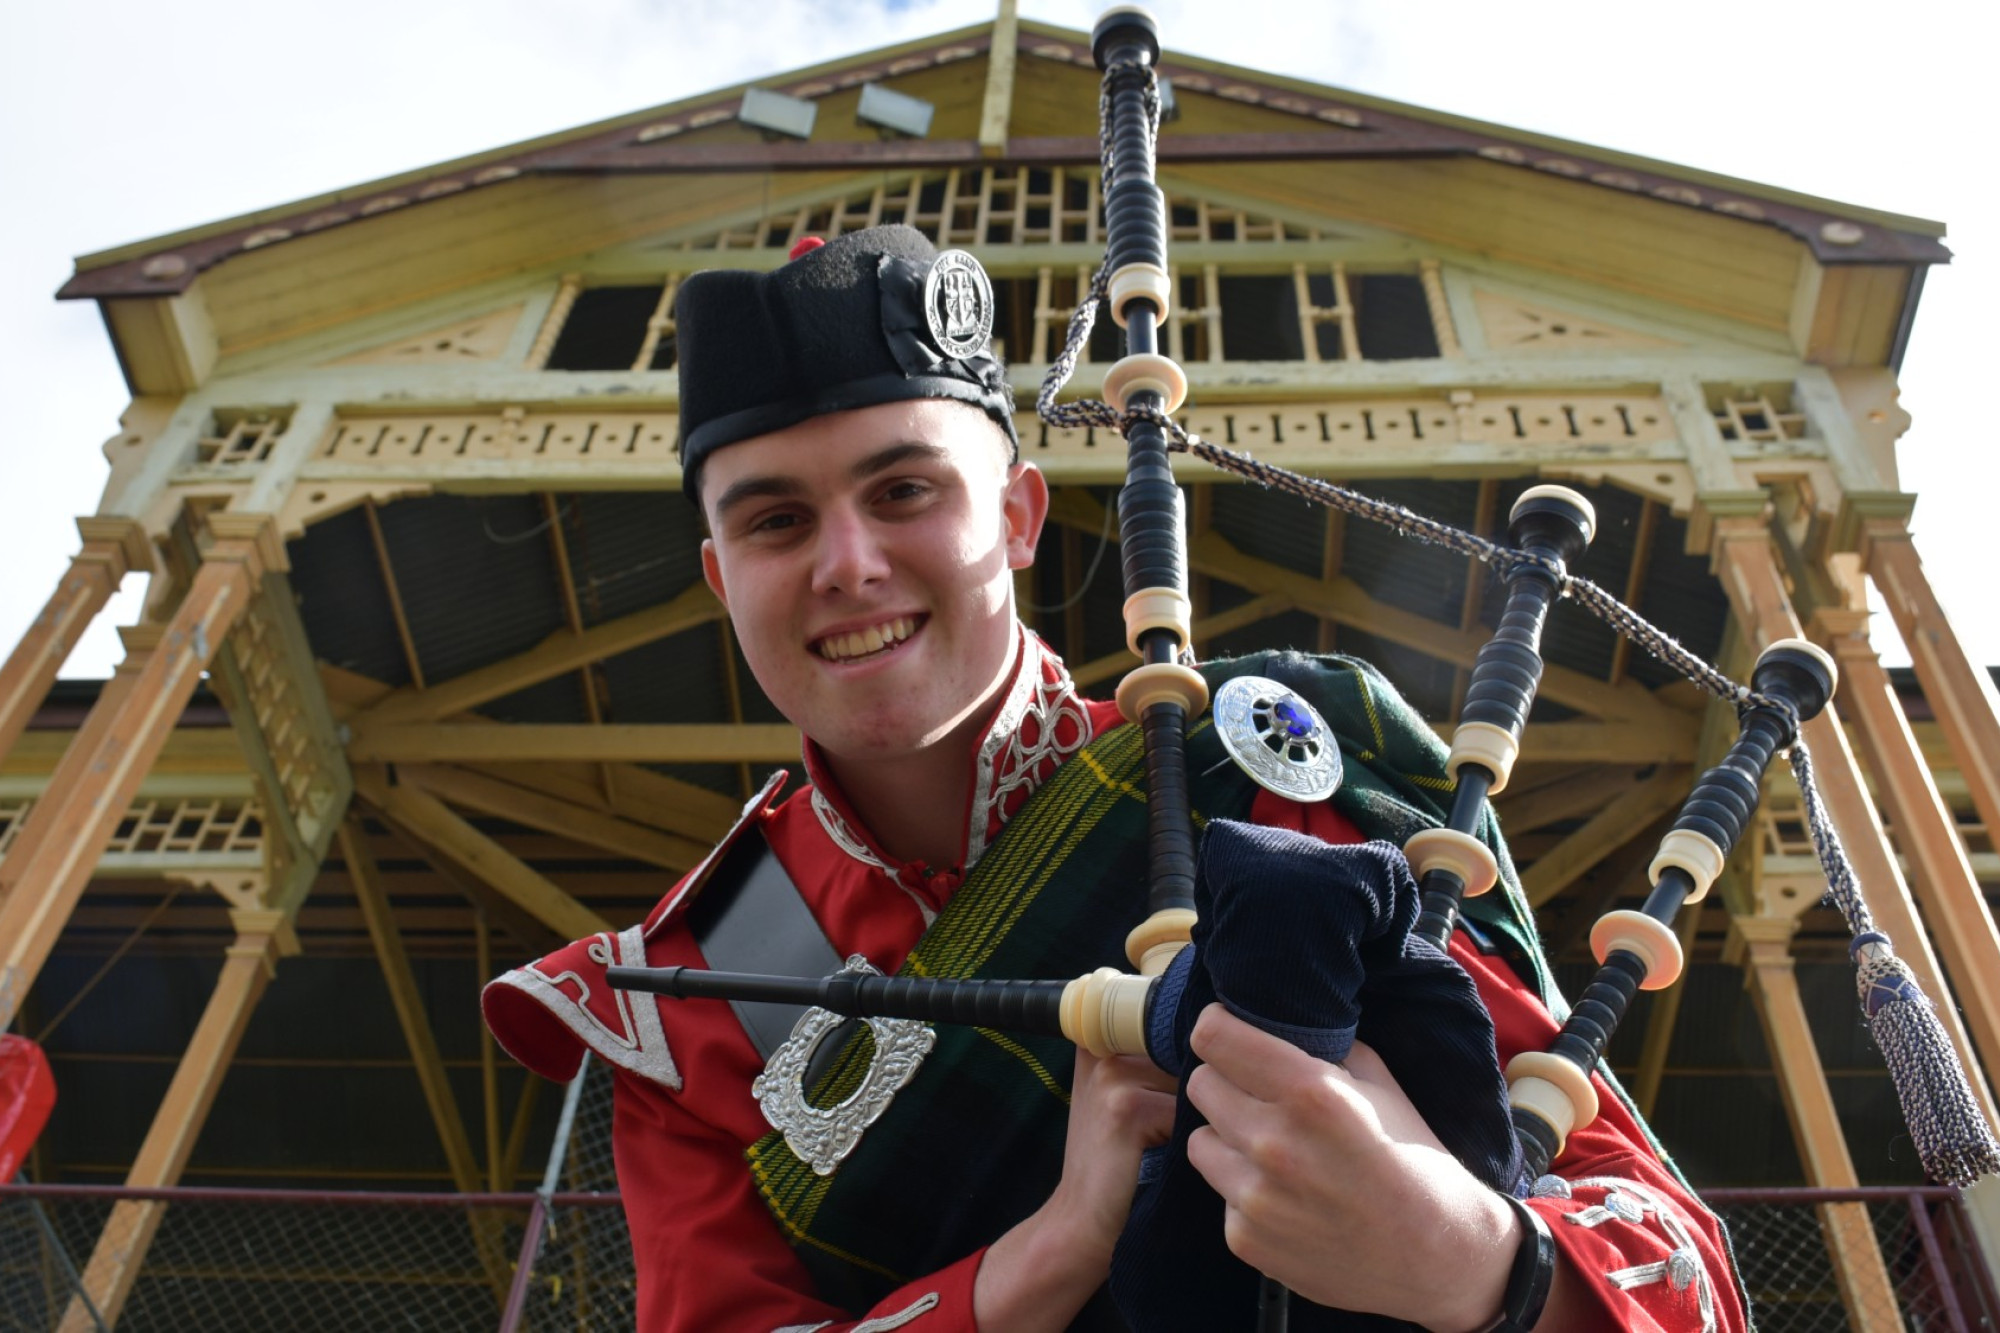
column 1730, row 247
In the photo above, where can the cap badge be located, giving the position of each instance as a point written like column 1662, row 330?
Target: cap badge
column 1278, row 738
column 958, row 305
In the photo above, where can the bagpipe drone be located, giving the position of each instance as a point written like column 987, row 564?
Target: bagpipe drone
column 1548, row 1094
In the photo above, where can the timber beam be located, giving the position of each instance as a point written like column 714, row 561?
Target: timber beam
column 1747, row 564
column 111, row 548
column 1925, row 833
column 1603, row 833
column 533, row 809
column 1346, row 602
column 1959, row 690
column 121, row 1247
column 366, row 880
column 638, row 796
column 429, row 821
column 556, row 655
column 636, row 743
column 93, row 786
column 1765, row 944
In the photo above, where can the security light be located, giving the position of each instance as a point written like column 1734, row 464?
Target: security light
column 1169, row 108
column 888, row 109
column 777, row 113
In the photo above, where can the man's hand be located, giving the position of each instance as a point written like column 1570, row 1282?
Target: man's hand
column 1040, row 1273
column 1335, row 1186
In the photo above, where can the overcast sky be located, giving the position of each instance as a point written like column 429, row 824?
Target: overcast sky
column 121, row 120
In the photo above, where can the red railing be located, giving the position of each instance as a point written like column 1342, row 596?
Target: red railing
column 240, row 1258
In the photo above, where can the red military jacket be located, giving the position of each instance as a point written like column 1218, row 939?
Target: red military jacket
column 708, row 1253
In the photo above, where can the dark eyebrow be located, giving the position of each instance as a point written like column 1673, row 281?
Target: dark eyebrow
column 895, row 456
column 778, row 486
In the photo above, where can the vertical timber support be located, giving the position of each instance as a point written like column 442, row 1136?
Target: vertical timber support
column 92, row 787
column 1960, row 692
column 1925, row 833
column 1747, row 564
column 112, row 547
column 261, row 936
column 996, row 110
column 1850, row 1238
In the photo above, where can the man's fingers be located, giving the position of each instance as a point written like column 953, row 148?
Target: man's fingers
column 1266, row 1067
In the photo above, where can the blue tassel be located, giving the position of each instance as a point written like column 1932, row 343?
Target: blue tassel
column 1951, row 1134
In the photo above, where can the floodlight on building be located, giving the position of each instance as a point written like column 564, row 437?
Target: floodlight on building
column 887, row 109
column 778, row 114
column 1169, row 108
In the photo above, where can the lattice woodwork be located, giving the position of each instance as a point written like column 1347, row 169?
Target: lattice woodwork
column 239, row 438
column 978, row 206
column 197, row 828
column 263, row 687
column 1754, row 418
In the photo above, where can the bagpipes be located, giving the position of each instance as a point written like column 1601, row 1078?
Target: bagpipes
column 1549, row 1092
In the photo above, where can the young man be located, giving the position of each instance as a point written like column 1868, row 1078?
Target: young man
column 854, row 457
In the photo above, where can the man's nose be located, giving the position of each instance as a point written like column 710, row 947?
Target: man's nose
column 849, row 555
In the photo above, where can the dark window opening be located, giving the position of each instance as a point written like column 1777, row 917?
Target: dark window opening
column 1194, row 332
column 1326, row 335
column 1392, row 317
column 1014, row 317
column 605, row 329
column 1260, row 319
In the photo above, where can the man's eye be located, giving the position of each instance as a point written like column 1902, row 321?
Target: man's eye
column 774, row 522
column 905, row 490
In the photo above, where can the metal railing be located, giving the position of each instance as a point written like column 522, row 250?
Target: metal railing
column 561, row 1257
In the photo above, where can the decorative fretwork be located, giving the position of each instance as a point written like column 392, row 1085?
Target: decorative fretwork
column 639, row 446
column 156, row 834
column 240, row 437
column 1753, row 417
column 288, row 735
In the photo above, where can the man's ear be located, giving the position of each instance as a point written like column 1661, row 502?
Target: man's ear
column 1025, row 508
column 711, row 571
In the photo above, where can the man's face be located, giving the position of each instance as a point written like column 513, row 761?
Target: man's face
column 865, row 558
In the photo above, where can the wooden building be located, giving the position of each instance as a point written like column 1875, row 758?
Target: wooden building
column 428, row 679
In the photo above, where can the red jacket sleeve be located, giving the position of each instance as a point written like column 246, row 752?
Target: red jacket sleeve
column 1644, row 1248
column 705, row 1249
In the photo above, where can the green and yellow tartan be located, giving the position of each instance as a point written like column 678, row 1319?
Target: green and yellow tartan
column 1053, row 897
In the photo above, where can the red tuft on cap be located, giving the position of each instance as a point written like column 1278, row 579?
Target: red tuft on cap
column 806, row 245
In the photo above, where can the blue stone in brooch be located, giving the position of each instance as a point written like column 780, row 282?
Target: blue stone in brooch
column 1277, row 738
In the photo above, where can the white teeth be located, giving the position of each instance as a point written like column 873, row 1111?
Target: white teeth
column 843, row 647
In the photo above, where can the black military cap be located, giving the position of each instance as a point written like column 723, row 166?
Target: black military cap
column 870, row 317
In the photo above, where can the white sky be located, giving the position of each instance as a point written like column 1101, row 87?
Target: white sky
column 121, row 120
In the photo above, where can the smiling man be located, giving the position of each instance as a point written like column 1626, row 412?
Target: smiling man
column 850, row 440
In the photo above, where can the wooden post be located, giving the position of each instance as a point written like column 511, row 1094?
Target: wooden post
column 261, row 936
column 94, row 784
column 1925, row 832
column 1850, row 1239
column 996, row 109
column 111, row 547
column 1748, row 567
column 366, row 881
column 1960, row 691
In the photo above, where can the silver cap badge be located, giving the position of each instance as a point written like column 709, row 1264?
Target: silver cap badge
column 958, row 305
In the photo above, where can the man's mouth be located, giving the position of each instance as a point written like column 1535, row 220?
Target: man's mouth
column 869, row 642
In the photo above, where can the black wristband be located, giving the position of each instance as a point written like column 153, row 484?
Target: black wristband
column 1532, row 1275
